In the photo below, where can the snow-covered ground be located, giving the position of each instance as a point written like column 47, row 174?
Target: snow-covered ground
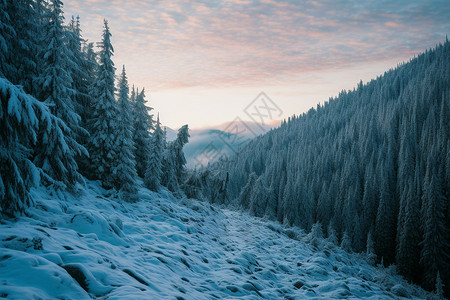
column 92, row 246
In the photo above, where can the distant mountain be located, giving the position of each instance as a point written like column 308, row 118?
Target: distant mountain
column 171, row 134
column 209, row 144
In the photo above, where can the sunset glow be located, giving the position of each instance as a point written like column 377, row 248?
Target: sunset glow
column 209, row 59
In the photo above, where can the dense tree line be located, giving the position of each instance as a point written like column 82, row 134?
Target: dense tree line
column 64, row 118
column 372, row 164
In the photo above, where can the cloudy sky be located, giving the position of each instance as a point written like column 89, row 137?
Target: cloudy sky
column 203, row 62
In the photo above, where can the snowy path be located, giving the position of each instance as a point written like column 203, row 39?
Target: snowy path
column 163, row 248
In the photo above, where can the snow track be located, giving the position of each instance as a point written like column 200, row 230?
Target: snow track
column 90, row 246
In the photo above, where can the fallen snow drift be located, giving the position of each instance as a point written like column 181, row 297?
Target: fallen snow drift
column 91, row 246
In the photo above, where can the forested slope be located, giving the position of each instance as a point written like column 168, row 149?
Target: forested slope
column 372, row 164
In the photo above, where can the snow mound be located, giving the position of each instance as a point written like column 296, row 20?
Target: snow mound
column 91, row 246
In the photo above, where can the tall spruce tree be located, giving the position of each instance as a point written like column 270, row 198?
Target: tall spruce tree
column 435, row 255
column 79, row 70
column 176, row 147
column 21, row 29
column 103, row 125
column 54, row 87
column 124, row 168
column 143, row 124
column 90, row 70
column 21, row 116
column 246, row 192
column 154, row 170
column 7, row 35
column 174, row 161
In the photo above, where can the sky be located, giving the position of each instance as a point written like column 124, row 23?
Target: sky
column 203, row 63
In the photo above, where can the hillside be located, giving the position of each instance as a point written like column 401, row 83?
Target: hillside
column 91, row 245
column 371, row 164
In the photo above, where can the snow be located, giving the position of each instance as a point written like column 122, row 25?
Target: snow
column 93, row 245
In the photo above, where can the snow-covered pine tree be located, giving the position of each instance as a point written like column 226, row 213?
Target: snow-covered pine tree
column 124, row 168
column 259, row 198
column 153, row 173
column 103, row 125
column 315, row 237
column 143, row 124
column 174, row 161
column 176, row 148
column 192, row 186
column 332, row 237
column 290, row 204
column 408, row 247
column 7, row 35
column 54, row 87
column 133, row 95
column 133, row 103
column 21, row 116
column 370, row 249
column 246, row 193
column 169, row 178
column 435, row 256
column 85, row 107
column 346, row 242
column 305, row 205
column 90, row 70
column 385, row 224
column 439, row 288
column 20, row 35
column 80, row 76
column 19, row 125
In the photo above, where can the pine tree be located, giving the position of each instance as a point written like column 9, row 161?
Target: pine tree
column 192, row 186
column 7, row 36
column 370, row 199
column 315, row 237
column 20, row 40
column 332, row 237
column 81, row 70
column 435, row 256
column 370, row 249
column 85, row 107
column 143, row 124
column 176, row 148
column 439, row 287
column 103, row 126
column 305, row 205
column 54, row 85
column 244, row 197
column 124, row 169
column 290, row 203
column 408, row 248
column 346, row 242
column 21, row 116
column 259, row 198
column 154, row 170
column 385, row 224
column 174, row 161
column 90, row 67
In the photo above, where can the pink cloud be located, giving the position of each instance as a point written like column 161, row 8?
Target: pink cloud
column 393, row 25
column 181, row 43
